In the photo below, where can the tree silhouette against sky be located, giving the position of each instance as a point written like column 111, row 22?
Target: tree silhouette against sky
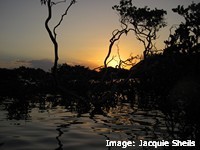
column 186, row 37
column 52, row 32
column 144, row 22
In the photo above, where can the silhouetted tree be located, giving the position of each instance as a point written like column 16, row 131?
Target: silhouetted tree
column 144, row 22
column 52, row 32
column 186, row 38
column 116, row 34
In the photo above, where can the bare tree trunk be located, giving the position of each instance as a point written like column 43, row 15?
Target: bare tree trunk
column 55, row 60
column 53, row 39
column 145, row 53
column 108, row 55
column 52, row 33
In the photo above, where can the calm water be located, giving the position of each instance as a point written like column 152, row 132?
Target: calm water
column 32, row 125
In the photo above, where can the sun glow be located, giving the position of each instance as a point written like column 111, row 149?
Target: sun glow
column 113, row 63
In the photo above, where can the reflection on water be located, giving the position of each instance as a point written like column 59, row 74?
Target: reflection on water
column 41, row 124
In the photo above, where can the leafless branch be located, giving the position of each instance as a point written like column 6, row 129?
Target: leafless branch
column 98, row 68
column 63, row 15
column 55, row 3
column 113, row 58
column 116, row 34
column 128, row 61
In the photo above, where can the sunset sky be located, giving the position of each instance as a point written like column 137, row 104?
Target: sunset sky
column 83, row 35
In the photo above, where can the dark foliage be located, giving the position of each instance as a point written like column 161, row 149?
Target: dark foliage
column 168, row 81
column 186, row 38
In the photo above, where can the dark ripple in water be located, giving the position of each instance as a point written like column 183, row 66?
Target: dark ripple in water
column 57, row 128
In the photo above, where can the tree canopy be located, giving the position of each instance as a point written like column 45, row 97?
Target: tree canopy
column 186, row 38
column 145, row 22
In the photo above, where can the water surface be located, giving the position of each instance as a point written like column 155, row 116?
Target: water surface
column 31, row 125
